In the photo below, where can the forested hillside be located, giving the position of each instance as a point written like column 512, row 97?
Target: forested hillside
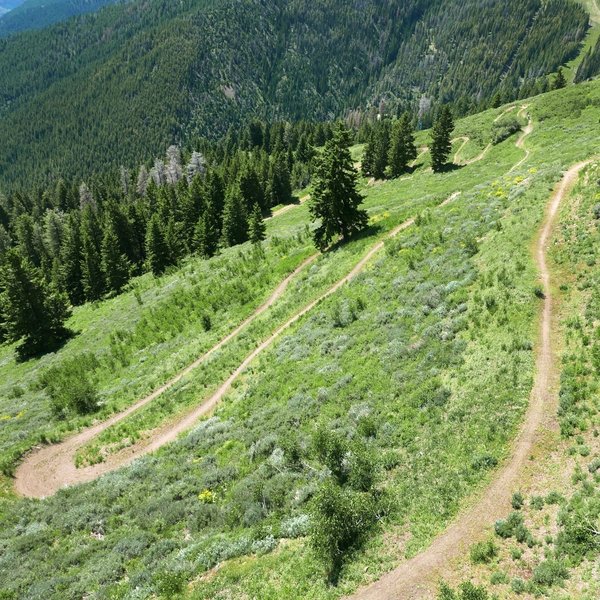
column 114, row 87
column 35, row 14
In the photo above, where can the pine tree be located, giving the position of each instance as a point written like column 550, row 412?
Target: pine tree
column 207, row 232
column 235, row 221
column 192, row 207
column 257, row 228
column 251, row 189
column 91, row 262
column 280, row 184
column 215, row 194
column 335, row 199
column 115, row 265
column 441, row 143
column 70, row 260
column 157, row 251
column 559, row 81
column 31, row 309
column 402, row 149
column 375, row 159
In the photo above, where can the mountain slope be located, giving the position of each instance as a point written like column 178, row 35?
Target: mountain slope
column 426, row 358
column 35, row 14
column 114, row 87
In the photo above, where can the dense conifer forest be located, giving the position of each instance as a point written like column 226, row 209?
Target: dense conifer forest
column 113, row 87
column 299, row 299
column 36, row 14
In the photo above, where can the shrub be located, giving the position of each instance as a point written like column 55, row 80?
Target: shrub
column 507, row 528
column 498, row 578
column 518, row 585
column 466, row 591
column 517, row 500
column 549, row 573
column 537, row 503
column 340, row 520
column 594, row 465
column 70, row 387
column 169, row 584
column 483, row 552
column 554, row 498
column 504, row 128
column 295, row 527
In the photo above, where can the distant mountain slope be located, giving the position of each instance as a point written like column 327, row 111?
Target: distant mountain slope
column 36, row 14
column 119, row 85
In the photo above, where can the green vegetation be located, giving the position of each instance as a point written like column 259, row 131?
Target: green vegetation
column 107, row 88
column 424, row 361
column 36, row 14
column 441, row 143
column 335, row 201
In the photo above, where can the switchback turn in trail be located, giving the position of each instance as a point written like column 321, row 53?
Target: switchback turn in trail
column 416, row 578
column 43, row 472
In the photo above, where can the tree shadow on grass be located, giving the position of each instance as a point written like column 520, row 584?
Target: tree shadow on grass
column 32, row 348
column 450, row 167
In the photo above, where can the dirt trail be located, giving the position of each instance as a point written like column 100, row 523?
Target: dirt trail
column 45, row 471
column 53, row 459
column 417, row 577
column 288, row 207
column 527, row 131
column 466, row 139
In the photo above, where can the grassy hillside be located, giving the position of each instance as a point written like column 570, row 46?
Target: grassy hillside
column 116, row 86
column 426, row 358
column 36, row 14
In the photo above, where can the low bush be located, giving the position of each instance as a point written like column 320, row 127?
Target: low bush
column 71, row 387
column 483, row 552
column 549, row 573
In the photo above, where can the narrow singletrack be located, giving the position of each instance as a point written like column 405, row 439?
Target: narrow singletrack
column 44, row 472
column 417, row 577
column 288, row 207
column 28, row 472
column 525, row 133
column 465, row 139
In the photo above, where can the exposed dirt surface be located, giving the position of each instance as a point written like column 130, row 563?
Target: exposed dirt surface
column 417, row 577
column 46, row 470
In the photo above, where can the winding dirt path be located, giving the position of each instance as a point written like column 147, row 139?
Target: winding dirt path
column 417, row 577
column 288, row 207
column 45, row 471
column 527, row 131
column 465, row 140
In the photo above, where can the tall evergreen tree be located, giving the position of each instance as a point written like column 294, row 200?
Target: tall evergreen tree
column 193, row 206
column 71, row 259
column 115, row 265
column 31, row 309
column 257, row 228
column 207, row 232
column 235, row 220
column 280, row 184
column 251, row 189
column 375, row 158
column 91, row 262
column 157, row 251
column 402, row 148
column 335, row 198
column 559, row 81
column 441, row 135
